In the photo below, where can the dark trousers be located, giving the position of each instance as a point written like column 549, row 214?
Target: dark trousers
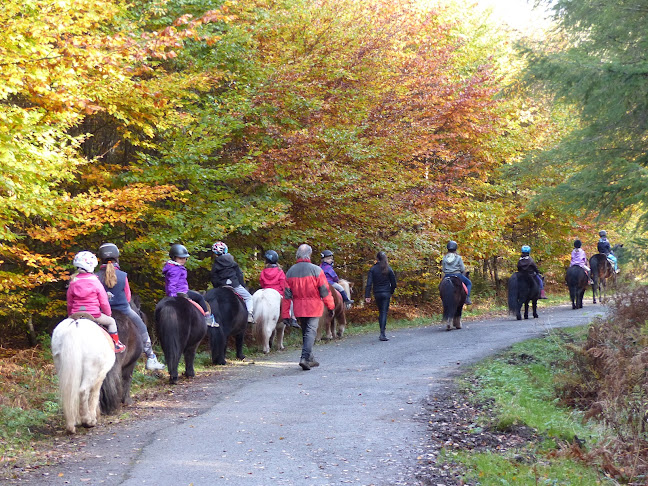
column 197, row 297
column 382, row 301
column 309, row 332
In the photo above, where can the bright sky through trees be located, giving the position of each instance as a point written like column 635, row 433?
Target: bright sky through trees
column 519, row 14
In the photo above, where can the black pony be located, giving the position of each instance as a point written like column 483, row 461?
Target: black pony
column 522, row 289
column 453, row 295
column 231, row 316
column 577, row 282
column 180, row 327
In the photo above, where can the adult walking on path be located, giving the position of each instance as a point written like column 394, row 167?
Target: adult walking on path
column 382, row 280
column 307, row 286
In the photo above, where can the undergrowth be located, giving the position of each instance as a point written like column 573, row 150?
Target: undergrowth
column 518, row 388
column 607, row 378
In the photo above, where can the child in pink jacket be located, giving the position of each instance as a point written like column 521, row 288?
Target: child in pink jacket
column 578, row 257
column 273, row 277
column 87, row 294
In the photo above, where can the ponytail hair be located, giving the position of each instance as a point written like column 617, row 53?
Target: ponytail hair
column 382, row 262
column 111, row 276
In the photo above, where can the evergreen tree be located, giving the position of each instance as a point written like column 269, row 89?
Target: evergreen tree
column 596, row 63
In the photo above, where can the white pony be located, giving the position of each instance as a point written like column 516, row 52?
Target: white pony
column 83, row 354
column 267, row 318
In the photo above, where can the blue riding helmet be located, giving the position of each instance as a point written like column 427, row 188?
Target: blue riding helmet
column 526, row 249
column 271, row 256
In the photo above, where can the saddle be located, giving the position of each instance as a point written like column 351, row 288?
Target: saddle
column 235, row 292
column 84, row 315
column 461, row 281
column 196, row 304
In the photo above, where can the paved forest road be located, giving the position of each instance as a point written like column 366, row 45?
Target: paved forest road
column 353, row 420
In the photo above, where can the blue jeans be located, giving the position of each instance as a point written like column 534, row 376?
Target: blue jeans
column 613, row 260
column 309, row 332
column 463, row 278
column 382, row 301
column 142, row 330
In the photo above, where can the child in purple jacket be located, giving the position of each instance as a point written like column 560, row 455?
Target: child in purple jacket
column 175, row 280
column 332, row 277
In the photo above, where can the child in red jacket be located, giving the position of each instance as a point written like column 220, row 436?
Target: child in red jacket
column 273, row 277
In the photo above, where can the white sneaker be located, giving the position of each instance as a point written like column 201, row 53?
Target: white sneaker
column 152, row 364
column 250, row 317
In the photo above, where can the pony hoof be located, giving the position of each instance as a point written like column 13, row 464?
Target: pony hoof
column 448, row 328
column 458, row 326
column 88, row 425
column 173, row 381
column 535, row 316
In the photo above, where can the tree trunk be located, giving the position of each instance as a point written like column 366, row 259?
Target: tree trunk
column 31, row 334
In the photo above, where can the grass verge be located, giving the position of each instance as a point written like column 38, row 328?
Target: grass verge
column 517, row 390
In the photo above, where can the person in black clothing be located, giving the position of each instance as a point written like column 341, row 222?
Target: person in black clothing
column 225, row 271
column 381, row 277
column 527, row 265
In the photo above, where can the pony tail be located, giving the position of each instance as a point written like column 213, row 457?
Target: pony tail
column 111, row 276
column 382, row 262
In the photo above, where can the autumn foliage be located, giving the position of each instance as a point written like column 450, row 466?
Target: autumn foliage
column 355, row 126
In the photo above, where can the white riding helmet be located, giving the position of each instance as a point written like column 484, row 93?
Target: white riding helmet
column 219, row 248
column 85, row 260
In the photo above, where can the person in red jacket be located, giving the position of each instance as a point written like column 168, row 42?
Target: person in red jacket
column 273, row 277
column 307, row 286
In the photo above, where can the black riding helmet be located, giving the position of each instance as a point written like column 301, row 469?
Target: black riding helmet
column 178, row 251
column 452, row 246
column 271, row 256
column 577, row 244
column 108, row 251
column 327, row 253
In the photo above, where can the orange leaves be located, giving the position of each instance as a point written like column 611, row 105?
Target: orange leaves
column 89, row 212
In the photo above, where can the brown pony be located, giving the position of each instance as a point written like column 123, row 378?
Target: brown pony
column 332, row 326
column 602, row 270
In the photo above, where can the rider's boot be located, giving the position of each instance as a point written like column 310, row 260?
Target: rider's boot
column 542, row 294
column 468, row 301
column 119, row 347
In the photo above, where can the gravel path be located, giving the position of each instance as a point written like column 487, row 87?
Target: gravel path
column 356, row 419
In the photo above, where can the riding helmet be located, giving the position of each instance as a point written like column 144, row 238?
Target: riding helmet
column 178, row 251
column 219, row 248
column 271, row 256
column 526, row 249
column 327, row 253
column 85, row 260
column 452, row 246
column 108, row 251
column 577, row 244
column 602, row 233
